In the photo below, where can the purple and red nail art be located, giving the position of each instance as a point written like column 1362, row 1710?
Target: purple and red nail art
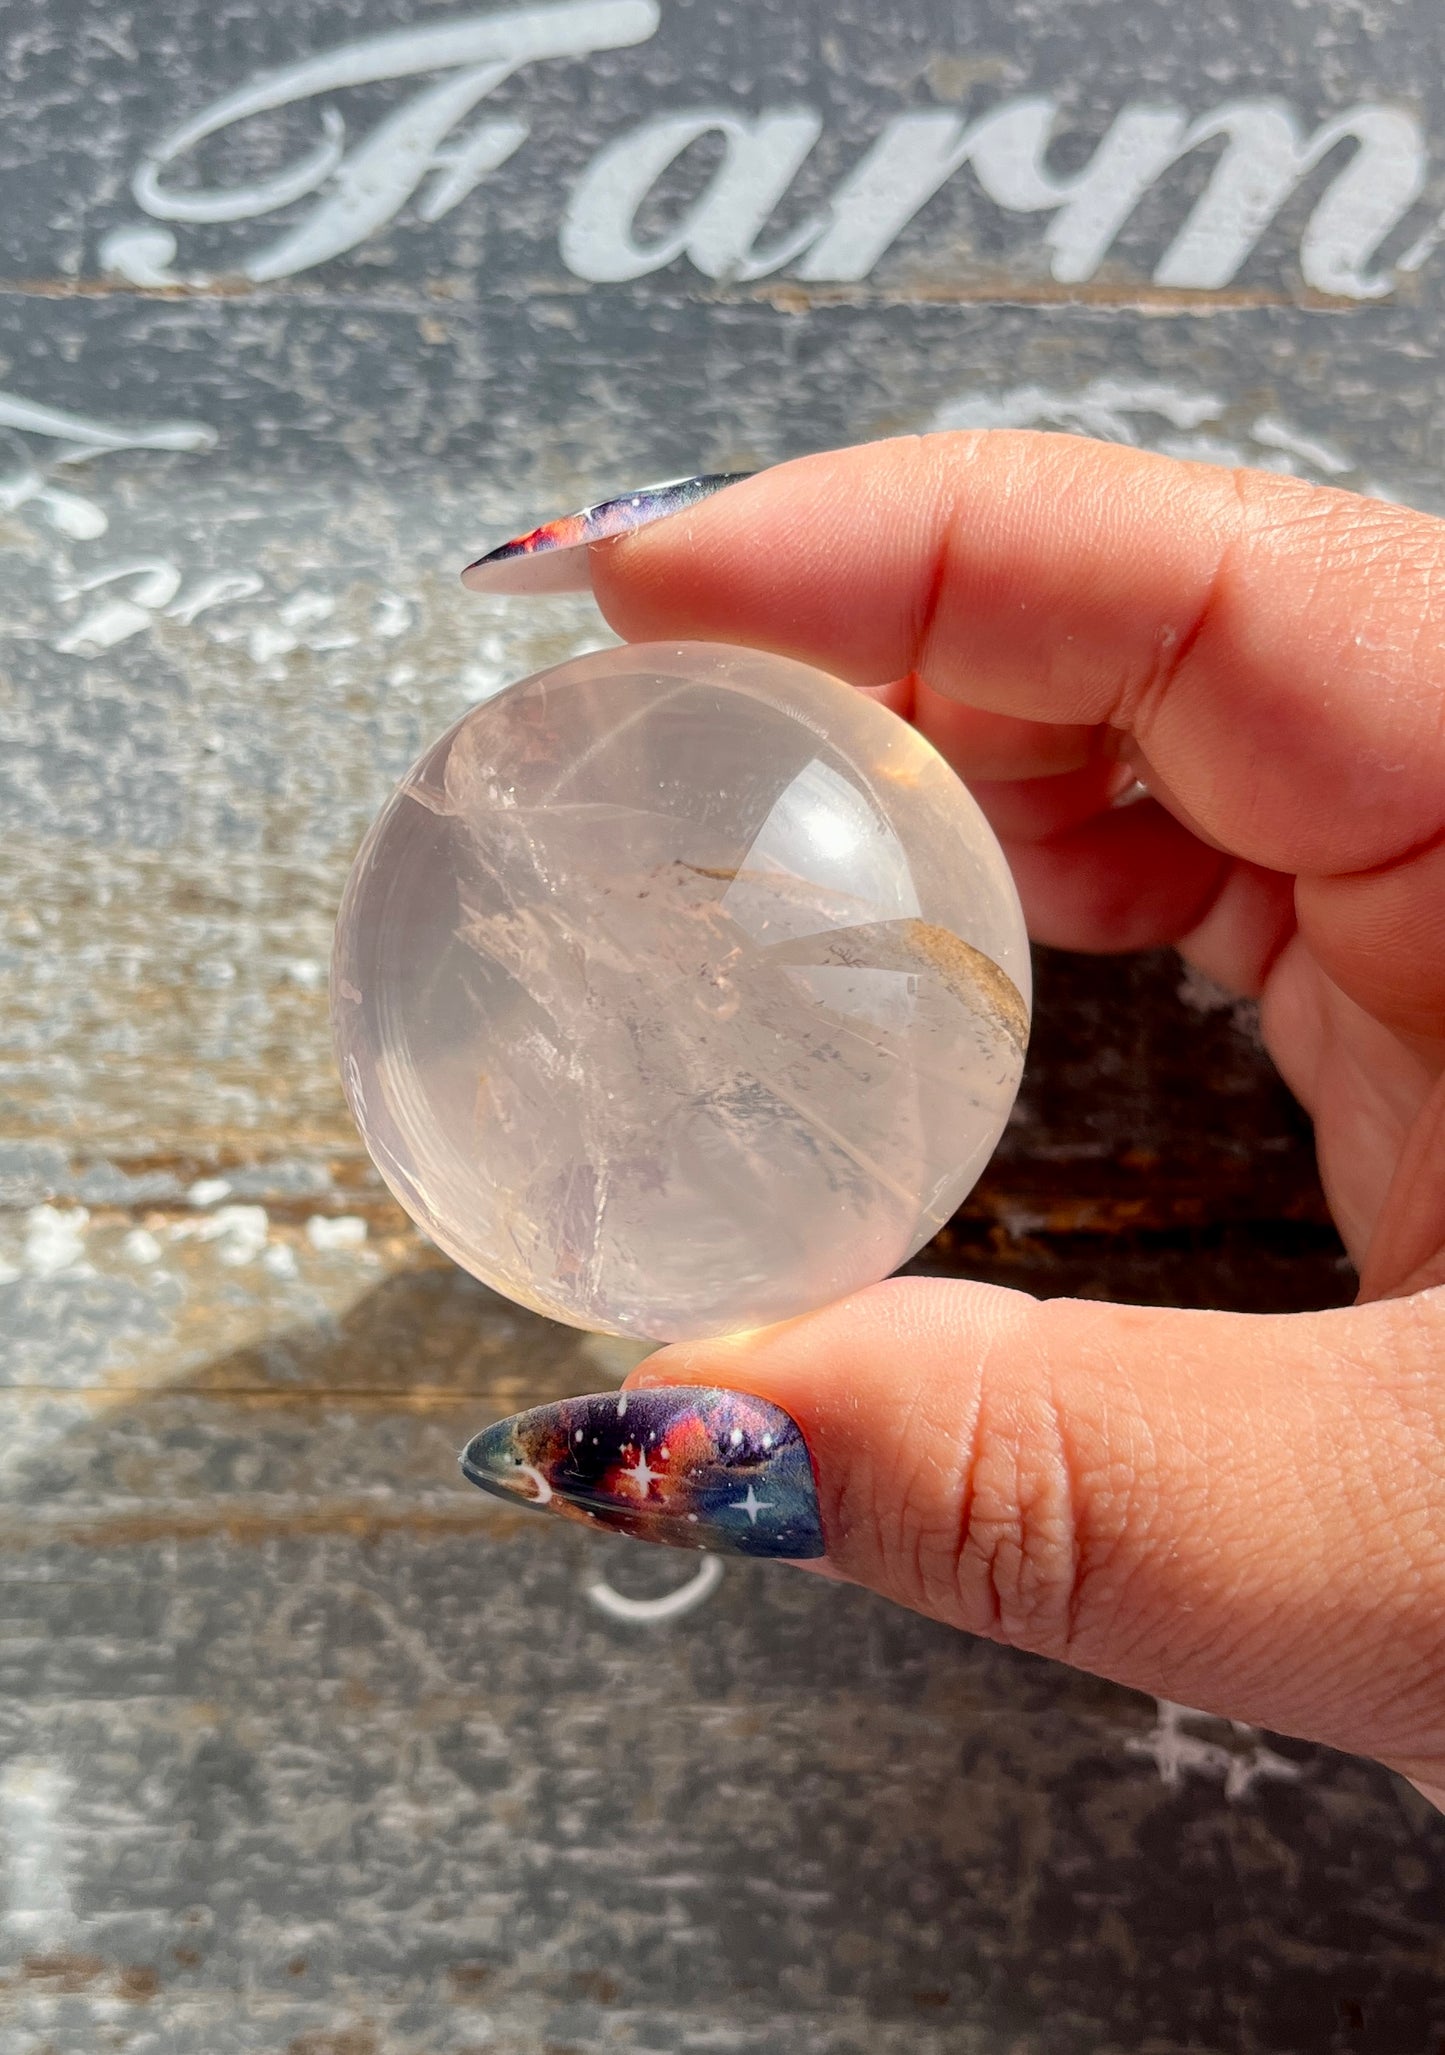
column 553, row 558
column 687, row 1466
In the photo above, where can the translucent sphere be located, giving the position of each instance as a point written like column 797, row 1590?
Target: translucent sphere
column 679, row 989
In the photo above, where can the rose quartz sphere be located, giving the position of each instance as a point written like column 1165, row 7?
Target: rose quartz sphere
column 679, row 989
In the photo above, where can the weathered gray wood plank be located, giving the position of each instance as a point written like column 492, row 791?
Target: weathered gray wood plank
column 304, row 1747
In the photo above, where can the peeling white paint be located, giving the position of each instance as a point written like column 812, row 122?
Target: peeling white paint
column 54, row 1240
column 224, row 589
column 341, row 1231
column 305, row 608
column 35, row 1854
column 268, row 639
column 306, row 971
column 240, row 1233
column 391, row 615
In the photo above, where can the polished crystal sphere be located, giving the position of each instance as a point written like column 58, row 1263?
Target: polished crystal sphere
column 679, row 989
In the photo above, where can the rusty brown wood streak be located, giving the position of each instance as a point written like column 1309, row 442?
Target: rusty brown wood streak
column 394, row 1398
column 790, row 296
column 787, row 296
column 1176, row 1195
column 1067, row 1201
column 249, row 1526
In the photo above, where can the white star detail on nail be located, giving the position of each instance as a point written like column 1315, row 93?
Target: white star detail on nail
column 752, row 1505
column 642, row 1474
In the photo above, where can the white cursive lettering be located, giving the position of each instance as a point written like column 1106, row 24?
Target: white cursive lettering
column 1267, row 158
column 369, row 185
column 719, row 231
column 917, row 153
column 415, row 154
column 82, row 436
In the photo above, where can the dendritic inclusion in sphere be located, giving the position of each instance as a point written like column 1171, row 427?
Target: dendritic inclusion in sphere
column 680, row 989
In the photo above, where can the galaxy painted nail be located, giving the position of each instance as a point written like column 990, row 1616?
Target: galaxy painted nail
column 553, row 558
column 684, row 1465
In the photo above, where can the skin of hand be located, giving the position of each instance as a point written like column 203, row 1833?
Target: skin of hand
column 1243, row 1513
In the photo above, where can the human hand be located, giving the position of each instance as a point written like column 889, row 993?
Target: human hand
column 1245, row 1513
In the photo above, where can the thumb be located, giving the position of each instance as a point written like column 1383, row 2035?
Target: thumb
column 1243, row 1513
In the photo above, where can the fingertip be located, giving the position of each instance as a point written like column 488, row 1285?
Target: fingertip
column 650, row 581
column 1097, row 1483
column 1260, row 637
column 871, row 1380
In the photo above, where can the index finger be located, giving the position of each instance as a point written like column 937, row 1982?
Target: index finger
column 1276, row 650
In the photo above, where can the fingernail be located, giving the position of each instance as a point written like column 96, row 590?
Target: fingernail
column 684, row 1465
column 553, row 558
